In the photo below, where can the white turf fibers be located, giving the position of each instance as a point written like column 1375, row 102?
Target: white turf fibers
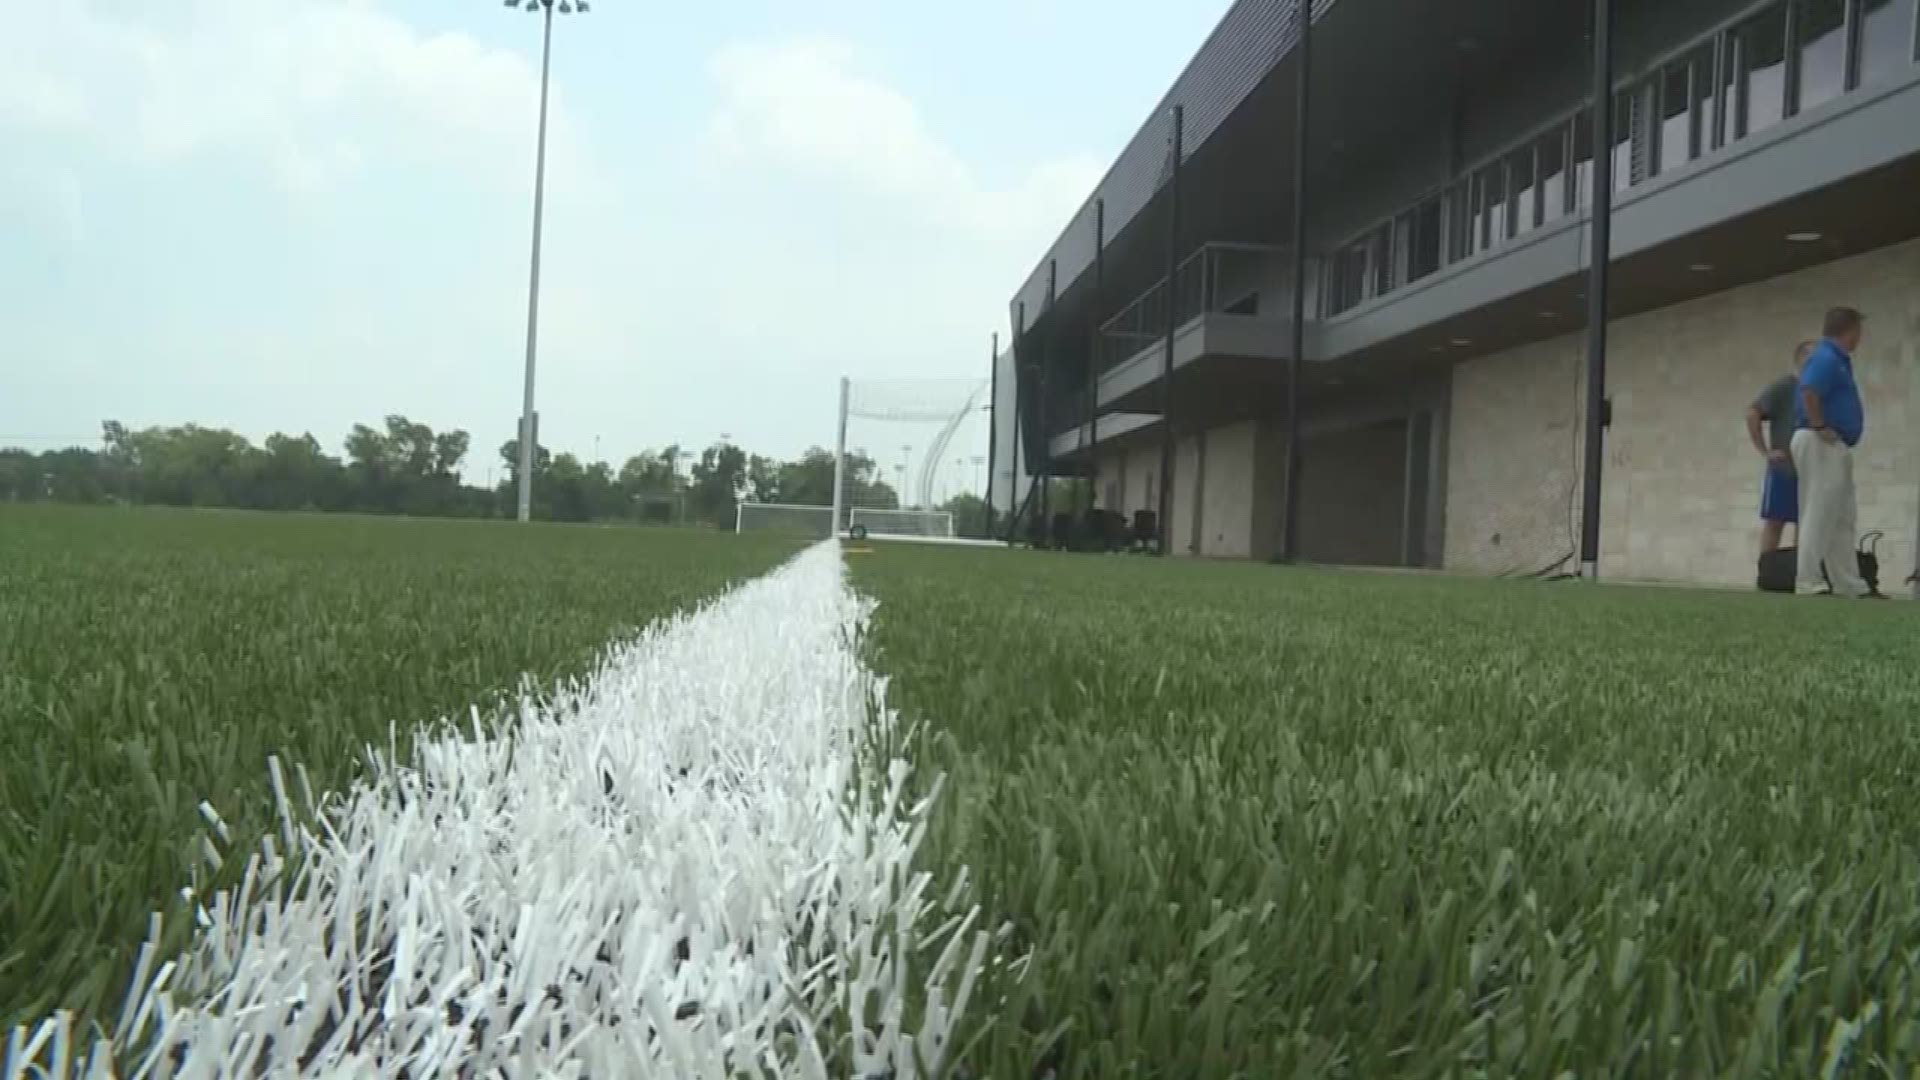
column 693, row 863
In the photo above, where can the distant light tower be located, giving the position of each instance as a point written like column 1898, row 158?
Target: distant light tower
column 529, row 429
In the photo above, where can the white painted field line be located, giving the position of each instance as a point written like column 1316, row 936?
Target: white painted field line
column 657, row 874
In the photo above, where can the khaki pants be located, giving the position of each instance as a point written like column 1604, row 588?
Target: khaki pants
column 1828, row 515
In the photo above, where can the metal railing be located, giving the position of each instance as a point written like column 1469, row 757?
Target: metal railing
column 1218, row 278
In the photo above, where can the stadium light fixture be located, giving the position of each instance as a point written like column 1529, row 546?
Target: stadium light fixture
column 529, row 433
column 1803, row 237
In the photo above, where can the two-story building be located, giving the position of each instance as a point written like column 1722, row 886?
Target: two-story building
column 1767, row 167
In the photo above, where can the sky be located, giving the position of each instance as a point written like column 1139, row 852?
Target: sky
column 296, row 215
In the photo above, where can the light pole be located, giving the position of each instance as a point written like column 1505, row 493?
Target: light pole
column 529, row 429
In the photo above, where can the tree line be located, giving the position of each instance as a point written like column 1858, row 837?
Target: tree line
column 406, row 467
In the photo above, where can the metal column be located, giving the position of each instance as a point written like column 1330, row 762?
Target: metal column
column 1296, row 354
column 1046, row 426
column 1164, row 511
column 1013, row 487
column 1093, row 346
column 1602, row 203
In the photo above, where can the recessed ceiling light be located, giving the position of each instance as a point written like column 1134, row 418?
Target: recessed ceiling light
column 1549, row 314
column 1802, row 237
column 1436, row 348
column 1461, row 342
column 1701, row 268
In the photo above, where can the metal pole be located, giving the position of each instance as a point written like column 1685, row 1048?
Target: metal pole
column 1602, row 202
column 1093, row 344
column 1165, row 508
column 840, row 466
column 528, row 433
column 993, row 428
column 1302, row 113
column 1046, row 427
column 1014, row 502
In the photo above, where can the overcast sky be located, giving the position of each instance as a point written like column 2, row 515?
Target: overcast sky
column 299, row 214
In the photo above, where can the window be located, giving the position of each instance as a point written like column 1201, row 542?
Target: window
column 1423, row 250
column 1623, row 125
column 1762, row 48
column 1379, row 245
column 1525, row 212
column 1823, row 51
column 1886, row 38
column 1716, row 125
column 1553, row 174
column 1676, row 144
column 1349, row 278
column 1459, row 223
column 1490, row 206
column 1582, row 157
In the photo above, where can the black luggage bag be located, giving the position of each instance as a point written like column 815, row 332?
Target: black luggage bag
column 1779, row 569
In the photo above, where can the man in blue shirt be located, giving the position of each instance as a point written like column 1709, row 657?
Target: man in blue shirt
column 1828, row 421
column 1770, row 428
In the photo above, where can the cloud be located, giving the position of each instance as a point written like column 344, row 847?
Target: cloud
column 313, row 90
column 801, row 103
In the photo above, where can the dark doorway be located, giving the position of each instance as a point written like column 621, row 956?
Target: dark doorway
column 1353, row 496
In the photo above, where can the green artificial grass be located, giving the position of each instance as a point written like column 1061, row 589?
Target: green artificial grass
column 152, row 659
column 1261, row 822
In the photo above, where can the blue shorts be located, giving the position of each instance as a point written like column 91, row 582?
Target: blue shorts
column 1780, row 496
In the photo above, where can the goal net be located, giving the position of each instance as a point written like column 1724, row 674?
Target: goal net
column 865, row 521
column 909, row 460
column 815, row 521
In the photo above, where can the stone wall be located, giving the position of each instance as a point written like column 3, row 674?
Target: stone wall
column 1681, row 483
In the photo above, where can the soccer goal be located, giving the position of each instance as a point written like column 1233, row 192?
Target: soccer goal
column 931, row 524
column 815, row 521
column 909, row 460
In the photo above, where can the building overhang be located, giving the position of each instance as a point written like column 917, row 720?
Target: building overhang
column 1839, row 180
column 1370, row 58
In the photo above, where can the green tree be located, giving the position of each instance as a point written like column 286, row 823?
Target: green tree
column 719, row 482
column 970, row 517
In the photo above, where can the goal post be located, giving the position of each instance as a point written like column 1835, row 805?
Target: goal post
column 839, row 520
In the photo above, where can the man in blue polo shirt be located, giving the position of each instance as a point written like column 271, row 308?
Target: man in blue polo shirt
column 1828, row 421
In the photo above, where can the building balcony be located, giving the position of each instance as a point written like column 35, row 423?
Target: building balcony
column 1232, row 308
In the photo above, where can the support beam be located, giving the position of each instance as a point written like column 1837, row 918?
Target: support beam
column 1296, row 354
column 1165, row 509
column 1013, row 486
column 1095, row 311
column 1601, row 254
column 1046, row 399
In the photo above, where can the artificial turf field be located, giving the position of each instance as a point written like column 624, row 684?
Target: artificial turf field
column 152, row 659
column 1258, row 822
column 1240, row 821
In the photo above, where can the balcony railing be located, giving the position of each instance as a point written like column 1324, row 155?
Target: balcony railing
column 1219, row 278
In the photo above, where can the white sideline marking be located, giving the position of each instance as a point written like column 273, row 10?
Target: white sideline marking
column 497, row 866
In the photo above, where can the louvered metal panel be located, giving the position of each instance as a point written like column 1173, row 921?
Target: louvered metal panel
column 1250, row 41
